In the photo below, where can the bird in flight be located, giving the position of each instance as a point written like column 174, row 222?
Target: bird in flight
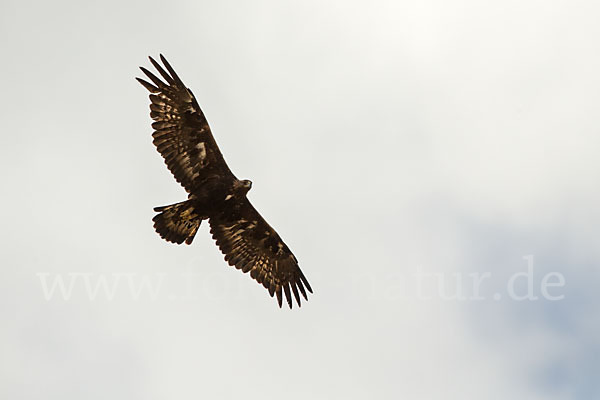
column 184, row 139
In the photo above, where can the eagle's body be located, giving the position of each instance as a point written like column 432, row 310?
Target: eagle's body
column 183, row 137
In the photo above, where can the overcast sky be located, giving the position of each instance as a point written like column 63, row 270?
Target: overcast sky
column 432, row 164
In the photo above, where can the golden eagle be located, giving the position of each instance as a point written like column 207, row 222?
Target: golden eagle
column 183, row 137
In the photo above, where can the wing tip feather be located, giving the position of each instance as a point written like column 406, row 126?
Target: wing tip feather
column 288, row 295
column 151, row 88
column 278, row 293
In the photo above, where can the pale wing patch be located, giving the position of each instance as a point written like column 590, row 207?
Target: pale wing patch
column 202, row 153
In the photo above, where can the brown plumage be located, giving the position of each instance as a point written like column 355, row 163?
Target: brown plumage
column 184, row 139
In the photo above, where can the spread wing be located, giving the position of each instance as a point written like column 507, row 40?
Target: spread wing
column 250, row 244
column 181, row 132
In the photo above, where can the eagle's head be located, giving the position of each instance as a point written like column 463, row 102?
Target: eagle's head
column 242, row 187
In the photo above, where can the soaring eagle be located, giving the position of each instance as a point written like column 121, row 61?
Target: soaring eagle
column 183, row 137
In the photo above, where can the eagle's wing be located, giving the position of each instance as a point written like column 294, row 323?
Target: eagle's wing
column 181, row 132
column 250, row 244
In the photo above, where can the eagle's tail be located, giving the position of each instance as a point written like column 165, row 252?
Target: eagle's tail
column 177, row 223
